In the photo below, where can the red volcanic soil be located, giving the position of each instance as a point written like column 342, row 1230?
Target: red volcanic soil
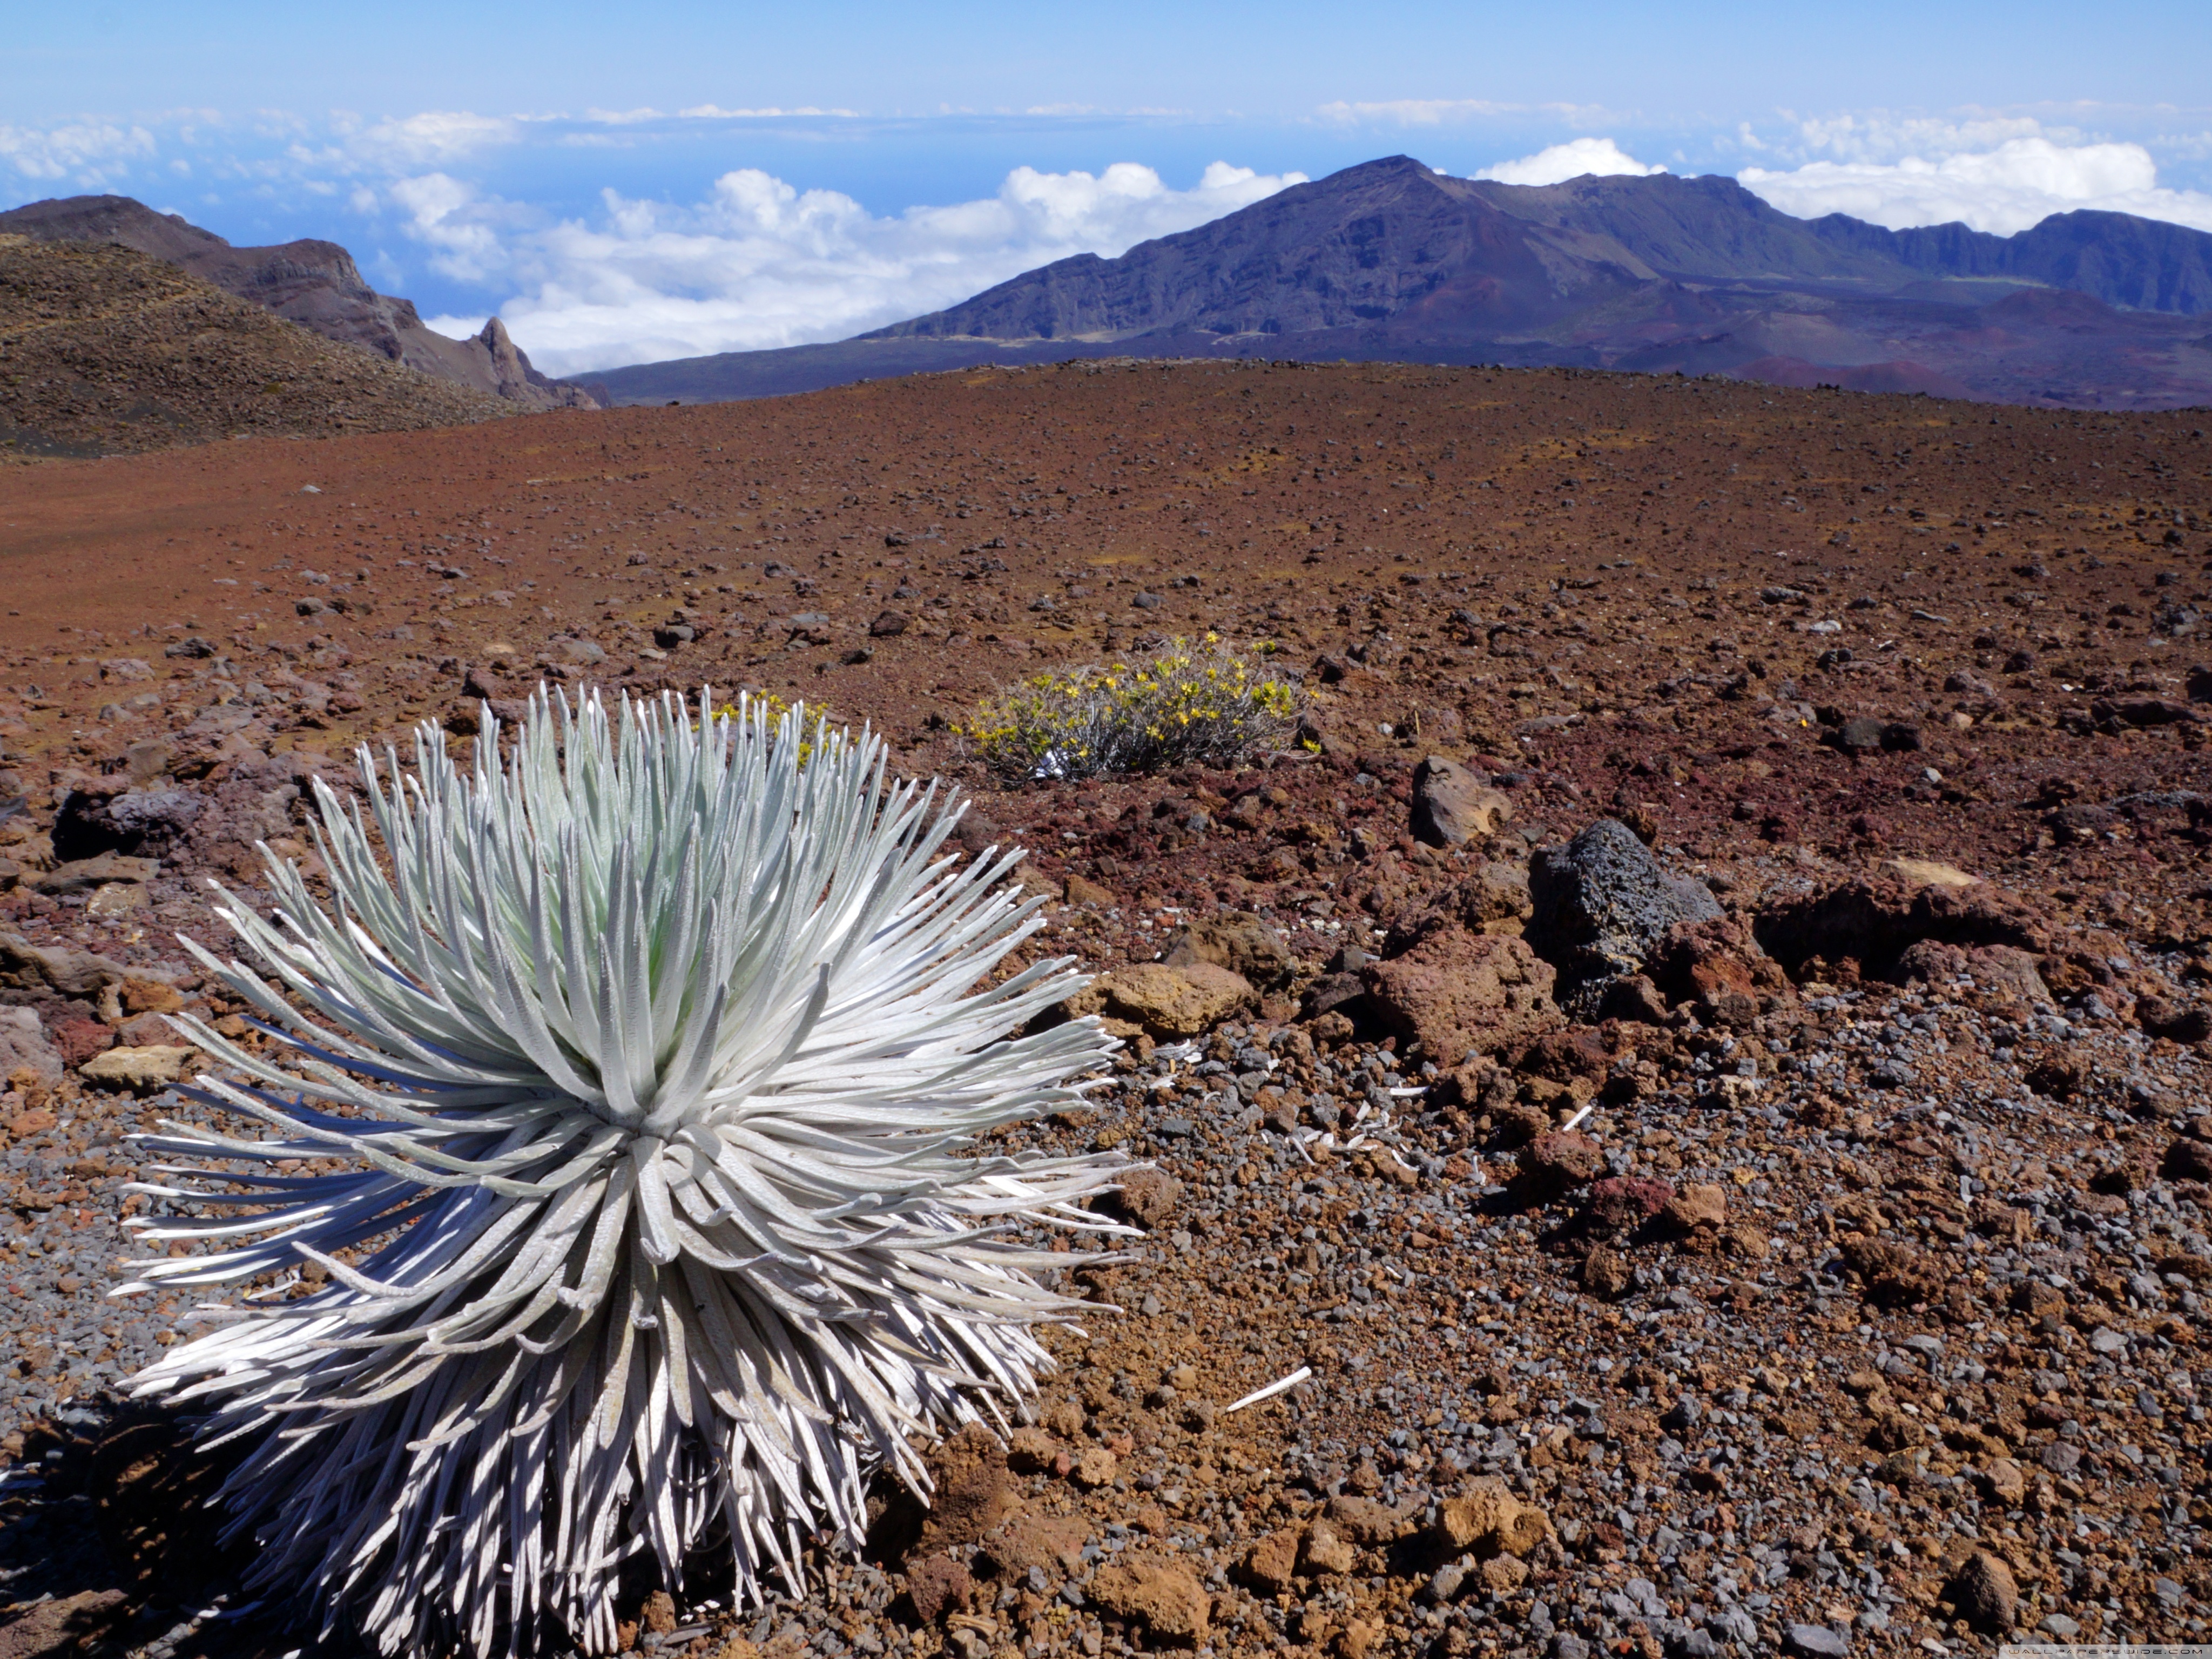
column 1895, row 1174
column 1899, row 376
column 1577, row 566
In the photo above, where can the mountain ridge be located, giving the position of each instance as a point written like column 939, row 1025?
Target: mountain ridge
column 1392, row 260
column 310, row 281
column 111, row 351
column 1642, row 229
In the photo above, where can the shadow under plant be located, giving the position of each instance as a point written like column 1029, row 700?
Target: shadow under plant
column 109, row 1540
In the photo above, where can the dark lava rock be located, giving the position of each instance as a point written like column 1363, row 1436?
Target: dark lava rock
column 142, row 823
column 1862, row 735
column 888, row 625
column 2188, row 1160
column 1865, row 736
column 1345, row 993
column 2179, row 1022
column 1984, row 1593
column 2143, row 711
column 1874, row 920
column 1598, row 904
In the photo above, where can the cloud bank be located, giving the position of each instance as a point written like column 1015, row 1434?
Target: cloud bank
column 90, row 153
column 1572, row 159
column 760, row 264
column 2018, row 184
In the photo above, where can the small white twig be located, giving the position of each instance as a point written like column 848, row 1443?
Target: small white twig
column 1280, row 1385
column 1579, row 1116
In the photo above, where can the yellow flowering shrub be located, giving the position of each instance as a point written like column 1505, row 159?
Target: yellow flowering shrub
column 813, row 718
column 1206, row 703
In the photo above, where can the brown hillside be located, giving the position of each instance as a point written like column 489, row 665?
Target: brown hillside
column 104, row 350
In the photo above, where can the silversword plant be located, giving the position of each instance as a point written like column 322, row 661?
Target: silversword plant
column 629, row 1121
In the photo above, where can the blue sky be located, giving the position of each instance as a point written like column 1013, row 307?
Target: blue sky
column 625, row 183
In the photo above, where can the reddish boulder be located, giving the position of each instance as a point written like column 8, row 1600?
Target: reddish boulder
column 1564, row 1055
column 1050, row 1544
column 1146, row 1198
column 2188, row 1160
column 1621, row 1204
column 1559, row 1161
column 970, row 1490
column 1457, row 994
column 1893, row 1274
column 938, row 1584
column 1606, row 1274
column 62, row 1625
column 1162, row 1596
column 80, row 1039
column 1708, row 961
column 1452, row 804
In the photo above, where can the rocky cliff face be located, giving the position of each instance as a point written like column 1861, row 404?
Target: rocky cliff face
column 313, row 284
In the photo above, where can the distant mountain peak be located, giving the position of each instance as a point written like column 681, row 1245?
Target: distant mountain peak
column 1394, row 245
column 1392, row 259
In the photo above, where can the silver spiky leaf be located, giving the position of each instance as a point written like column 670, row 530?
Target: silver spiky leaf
column 652, row 1072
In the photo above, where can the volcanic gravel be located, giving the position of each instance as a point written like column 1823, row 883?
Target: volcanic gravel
column 1799, row 1297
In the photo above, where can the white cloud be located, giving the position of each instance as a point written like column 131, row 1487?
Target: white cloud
column 716, row 113
column 433, row 138
column 1885, row 135
column 2023, row 180
column 86, row 152
column 460, row 227
column 760, row 264
column 1560, row 163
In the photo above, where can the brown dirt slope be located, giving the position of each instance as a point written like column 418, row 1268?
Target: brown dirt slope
column 106, row 351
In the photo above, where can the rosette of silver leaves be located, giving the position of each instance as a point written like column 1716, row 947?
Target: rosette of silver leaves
column 630, row 1120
